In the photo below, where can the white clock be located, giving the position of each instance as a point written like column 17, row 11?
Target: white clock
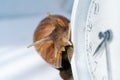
column 94, row 29
column 97, row 39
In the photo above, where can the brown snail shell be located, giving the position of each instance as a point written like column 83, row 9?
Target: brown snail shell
column 50, row 38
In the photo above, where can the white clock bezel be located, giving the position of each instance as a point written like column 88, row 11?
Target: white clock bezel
column 79, row 67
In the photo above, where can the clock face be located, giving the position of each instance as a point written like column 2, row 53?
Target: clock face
column 97, row 64
column 102, row 63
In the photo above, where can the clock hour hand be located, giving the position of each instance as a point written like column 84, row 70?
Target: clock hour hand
column 106, row 37
column 99, row 48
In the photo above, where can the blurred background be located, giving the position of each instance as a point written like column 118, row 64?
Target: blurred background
column 18, row 20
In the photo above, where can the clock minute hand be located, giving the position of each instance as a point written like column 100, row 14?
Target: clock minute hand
column 108, row 59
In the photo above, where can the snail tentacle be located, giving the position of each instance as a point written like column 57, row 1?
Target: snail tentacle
column 39, row 41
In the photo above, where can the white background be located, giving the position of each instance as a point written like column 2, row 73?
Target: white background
column 18, row 20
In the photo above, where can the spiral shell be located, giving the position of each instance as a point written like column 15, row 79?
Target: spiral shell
column 50, row 38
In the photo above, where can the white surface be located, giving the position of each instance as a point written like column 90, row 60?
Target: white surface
column 17, row 62
column 109, row 19
column 18, row 20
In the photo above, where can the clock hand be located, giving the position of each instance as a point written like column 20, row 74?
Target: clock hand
column 99, row 47
column 108, row 60
column 107, row 37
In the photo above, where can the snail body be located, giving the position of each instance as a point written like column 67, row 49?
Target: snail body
column 52, row 40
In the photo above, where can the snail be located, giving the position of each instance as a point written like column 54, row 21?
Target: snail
column 52, row 40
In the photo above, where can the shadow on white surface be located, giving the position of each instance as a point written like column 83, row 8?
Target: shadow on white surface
column 24, row 64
